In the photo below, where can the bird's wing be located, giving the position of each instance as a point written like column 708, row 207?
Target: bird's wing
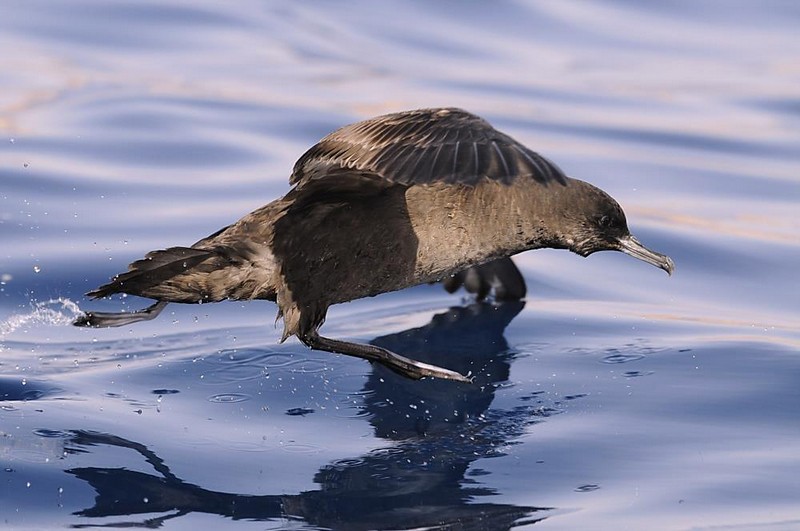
column 423, row 147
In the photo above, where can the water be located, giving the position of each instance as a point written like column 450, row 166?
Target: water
column 615, row 397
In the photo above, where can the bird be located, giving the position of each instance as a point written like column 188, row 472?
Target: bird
column 383, row 204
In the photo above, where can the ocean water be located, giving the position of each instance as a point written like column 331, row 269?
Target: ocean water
column 614, row 397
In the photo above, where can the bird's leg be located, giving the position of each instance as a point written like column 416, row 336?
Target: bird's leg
column 106, row 320
column 399, row 364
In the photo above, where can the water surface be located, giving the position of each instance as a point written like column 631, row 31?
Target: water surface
column 614, row 397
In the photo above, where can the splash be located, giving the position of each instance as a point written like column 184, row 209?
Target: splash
column 56, row 312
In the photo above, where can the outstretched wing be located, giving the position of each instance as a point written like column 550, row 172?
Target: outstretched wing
column 422, row 147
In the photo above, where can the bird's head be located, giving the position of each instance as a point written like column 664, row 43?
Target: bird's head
column 594, row 221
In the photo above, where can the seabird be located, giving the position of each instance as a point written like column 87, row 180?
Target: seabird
column 380, row 205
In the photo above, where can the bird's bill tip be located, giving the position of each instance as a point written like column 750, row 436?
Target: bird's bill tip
column 669, row 265
column 631, row 246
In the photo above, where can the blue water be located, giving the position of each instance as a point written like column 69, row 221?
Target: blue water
column 613, row 398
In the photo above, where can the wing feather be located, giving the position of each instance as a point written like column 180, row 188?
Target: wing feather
column 423, row 147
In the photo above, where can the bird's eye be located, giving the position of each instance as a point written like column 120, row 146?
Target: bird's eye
column 604, row 221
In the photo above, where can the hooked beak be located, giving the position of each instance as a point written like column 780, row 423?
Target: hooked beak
column 631, row 246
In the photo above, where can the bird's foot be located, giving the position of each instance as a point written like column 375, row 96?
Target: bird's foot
column 417, row 370
column 108, row 320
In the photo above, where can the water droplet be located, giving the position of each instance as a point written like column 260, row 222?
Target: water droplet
column 36, row 269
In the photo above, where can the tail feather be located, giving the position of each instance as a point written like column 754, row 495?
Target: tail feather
column 153, row 270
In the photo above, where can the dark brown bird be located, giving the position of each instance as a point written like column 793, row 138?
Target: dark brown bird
column 381, row 205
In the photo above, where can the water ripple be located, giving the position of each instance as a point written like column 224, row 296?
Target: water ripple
column 620, row 357
column 229, row 398
column 52, row 434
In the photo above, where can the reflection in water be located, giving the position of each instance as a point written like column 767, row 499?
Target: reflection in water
column 439, row 428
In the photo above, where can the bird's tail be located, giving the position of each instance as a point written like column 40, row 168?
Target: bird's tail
column 163, row 275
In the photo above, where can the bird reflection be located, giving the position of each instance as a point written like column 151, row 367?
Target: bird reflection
column 438, row 429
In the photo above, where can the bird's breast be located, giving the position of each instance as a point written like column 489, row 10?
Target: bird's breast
column 458, row 226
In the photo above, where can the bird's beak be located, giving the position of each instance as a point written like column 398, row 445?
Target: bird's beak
column 630, row 245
